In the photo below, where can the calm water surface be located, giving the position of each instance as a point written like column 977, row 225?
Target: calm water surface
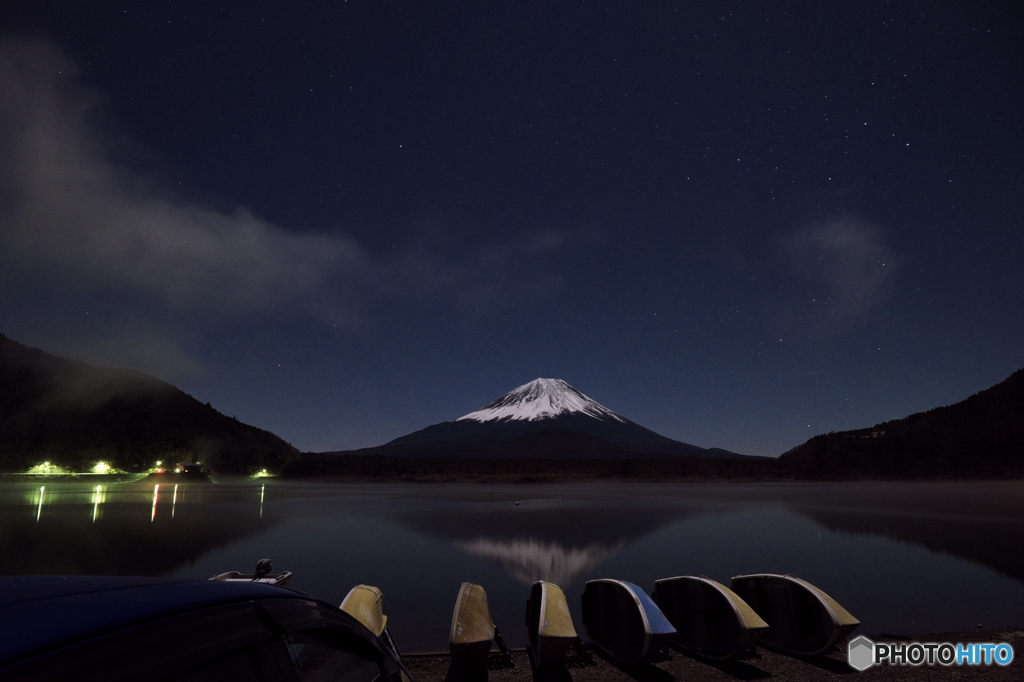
column 903, row 558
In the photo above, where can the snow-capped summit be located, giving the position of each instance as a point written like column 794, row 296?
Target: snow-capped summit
column 541, row 399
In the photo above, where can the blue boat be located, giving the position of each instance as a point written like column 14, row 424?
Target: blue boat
column 623, row 621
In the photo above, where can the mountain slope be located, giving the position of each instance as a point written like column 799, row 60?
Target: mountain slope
column 982, row 436
column 545, row 418
column 71, row 413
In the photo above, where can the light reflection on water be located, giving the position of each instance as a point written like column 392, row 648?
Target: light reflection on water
column 99, row 496
column 899, row 556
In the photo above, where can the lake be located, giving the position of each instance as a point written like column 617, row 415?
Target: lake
column 902, row 557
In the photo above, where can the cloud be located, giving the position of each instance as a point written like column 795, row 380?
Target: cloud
column 70, row 210
column 850, row 257
column 66, row 204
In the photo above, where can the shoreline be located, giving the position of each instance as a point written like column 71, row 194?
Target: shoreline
column 379, row 468
column 757, row 663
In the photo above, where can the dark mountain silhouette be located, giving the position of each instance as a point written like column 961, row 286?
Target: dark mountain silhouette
column 980, row 437
column 73, row 414
column 544, row 419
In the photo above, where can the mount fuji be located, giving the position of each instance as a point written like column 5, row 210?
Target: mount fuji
column 546, row 418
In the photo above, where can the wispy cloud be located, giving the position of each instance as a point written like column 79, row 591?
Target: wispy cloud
column 850, row 257
column 68, row 206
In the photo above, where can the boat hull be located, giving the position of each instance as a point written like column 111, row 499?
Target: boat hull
column 712, row 620
column 802, row 619
column 623, row 621
column 281, row 579
column 365, row 604
column 548, row 624
column 472, row 630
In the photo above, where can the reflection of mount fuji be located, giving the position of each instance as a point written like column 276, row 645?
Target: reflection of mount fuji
column 530, row 560
column 544, row 540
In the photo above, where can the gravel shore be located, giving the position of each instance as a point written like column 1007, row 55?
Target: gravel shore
column 758, row 663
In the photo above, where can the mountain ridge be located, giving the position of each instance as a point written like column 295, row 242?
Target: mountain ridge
column 980, row 436
column 73, row 414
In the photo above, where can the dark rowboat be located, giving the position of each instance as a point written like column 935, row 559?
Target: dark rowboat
column 802, row 619
column 261, row 575
column 712, row 620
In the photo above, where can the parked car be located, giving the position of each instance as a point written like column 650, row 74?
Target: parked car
column 118, row 628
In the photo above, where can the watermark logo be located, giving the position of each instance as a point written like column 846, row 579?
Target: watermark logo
column 862, row 653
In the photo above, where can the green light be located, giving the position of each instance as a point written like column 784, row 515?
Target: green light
column 47, row 468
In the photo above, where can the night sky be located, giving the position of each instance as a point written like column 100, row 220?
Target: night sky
column 739, row 224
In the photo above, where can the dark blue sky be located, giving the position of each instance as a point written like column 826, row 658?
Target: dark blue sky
column 738, row 224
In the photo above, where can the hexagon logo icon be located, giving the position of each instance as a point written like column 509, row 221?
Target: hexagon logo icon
column 861, row 653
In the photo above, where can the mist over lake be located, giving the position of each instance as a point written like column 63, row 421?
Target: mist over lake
column 902, row 557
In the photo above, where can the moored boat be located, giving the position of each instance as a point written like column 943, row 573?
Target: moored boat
column 622, row 620
column 471, row 635
column 261, row 575
column 549, row 625
column 802, row 619
column 365, row 603
column 711, row 620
